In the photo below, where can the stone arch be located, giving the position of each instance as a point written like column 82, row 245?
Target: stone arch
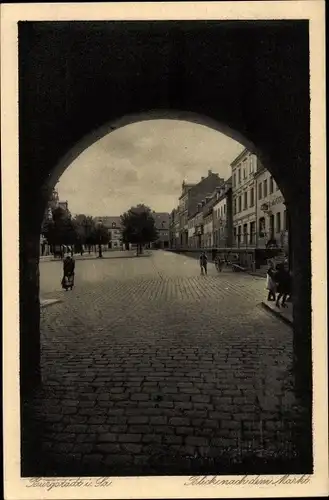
column 65, row 93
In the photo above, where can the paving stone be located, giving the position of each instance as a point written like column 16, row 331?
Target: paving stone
column 107, row 448
column 103, row 438
column 138, row 419
column 179, row 421
column 131, row 448
column 152, row 438
column 196, row 441
column 158, row 420
column 118, row 460
column 130, row 438
column 184, row 431
column 172, row 439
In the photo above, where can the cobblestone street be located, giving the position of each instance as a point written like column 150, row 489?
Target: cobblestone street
column 150, row 368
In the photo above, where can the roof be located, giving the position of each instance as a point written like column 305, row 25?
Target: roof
column 108, row 221
column 240, row 156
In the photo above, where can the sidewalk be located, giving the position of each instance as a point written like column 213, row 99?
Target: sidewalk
column 48, row 302
column 285, row 314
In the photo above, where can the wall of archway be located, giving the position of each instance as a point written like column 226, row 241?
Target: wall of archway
column 71, row 84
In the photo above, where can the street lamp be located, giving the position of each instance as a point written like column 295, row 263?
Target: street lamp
column 100, row 225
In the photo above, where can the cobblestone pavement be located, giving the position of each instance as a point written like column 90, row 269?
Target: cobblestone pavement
column 150, row 368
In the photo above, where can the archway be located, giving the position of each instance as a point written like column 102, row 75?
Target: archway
column 83, row 86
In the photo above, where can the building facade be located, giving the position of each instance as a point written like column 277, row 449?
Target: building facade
column 174, row 225
column 222, row 217
column 245, row 213
column 162, row 221
column 271, row 213
column 244, row 200
column 113, row 225
column 183, row 213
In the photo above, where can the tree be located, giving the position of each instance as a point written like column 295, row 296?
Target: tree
column 61, row 229
column 138, row 226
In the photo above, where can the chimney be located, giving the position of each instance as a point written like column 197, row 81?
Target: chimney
column 202, row 178
column 209, row 172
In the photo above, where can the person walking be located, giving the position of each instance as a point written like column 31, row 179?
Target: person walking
column 203, row 263
column 68, row 273
column 218, row 263
column 270, row 281
column 283, row 285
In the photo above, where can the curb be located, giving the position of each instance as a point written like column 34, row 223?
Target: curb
column 49, row 302
column 256, row 275
column 277, row 314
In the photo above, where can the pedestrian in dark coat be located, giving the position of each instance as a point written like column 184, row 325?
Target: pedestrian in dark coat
column 68, row 273
column 203, row 259
column 270, row 281
column 283, row 281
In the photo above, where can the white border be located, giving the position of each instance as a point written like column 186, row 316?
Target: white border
column 159, row 487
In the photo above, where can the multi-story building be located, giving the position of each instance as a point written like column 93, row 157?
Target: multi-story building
column 192, row 195
column 208, row 226
column 271, row 213
column 161, row 220
column 222, row 216
column 244, row 199
column 174, row 225
column 114, row 227
column 183, row 212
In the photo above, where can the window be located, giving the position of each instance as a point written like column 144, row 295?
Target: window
column 252, row 232
column 259, row 191
column 239, row 175
column 245, row 200
column 240, row 203
column 234, row 180
column 234, row 206
column 271, row 185
column 239, row 234
column 265, row 188
column 278, row 222
column 224, row 209
column 252, row 197
column 245, row 169
column 251, row 164
column 245, row 233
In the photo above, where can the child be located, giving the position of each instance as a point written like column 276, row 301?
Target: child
column 270, row 282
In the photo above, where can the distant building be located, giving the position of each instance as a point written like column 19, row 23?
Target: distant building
column 174, row 235
column 63, row 205
column 114, row 227
column 222, row 216
column 162, row 221
column 191, row 196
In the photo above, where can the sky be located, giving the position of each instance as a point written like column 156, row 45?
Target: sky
column 144, row 162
